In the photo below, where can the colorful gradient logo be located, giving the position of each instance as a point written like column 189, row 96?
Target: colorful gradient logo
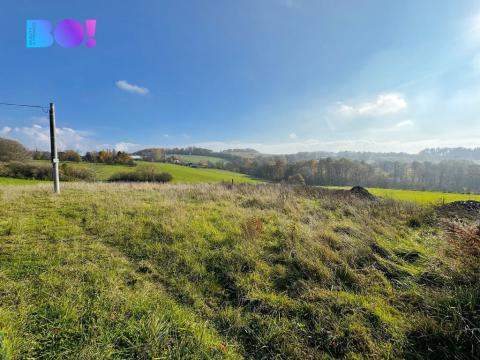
column 68, row 33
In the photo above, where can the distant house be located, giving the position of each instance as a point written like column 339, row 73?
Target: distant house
column 136, row 157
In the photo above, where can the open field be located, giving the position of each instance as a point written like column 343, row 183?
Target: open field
column 12, row 181
column 143, row 271
column 416, row 196
column 181, row 174
column 423, row 197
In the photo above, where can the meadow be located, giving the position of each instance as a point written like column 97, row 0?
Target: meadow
column 195, row 159
column 181, row 174
column 202, row 271
column 13, row 181
column 416, row 196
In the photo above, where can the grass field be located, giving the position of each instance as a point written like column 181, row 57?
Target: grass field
column 146, row 271
column 195, row 159
column 12, row 181
column 184, row 174
column 420, row 197
column 181, row 174
column 423, row 197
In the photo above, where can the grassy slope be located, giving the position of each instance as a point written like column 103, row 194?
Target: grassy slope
column 181, row 174
column 198, row 158
column 203, row 271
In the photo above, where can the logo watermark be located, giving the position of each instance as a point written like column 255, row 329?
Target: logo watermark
column 68, row 33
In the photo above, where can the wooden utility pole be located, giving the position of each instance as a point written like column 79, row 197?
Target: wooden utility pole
column 53, row 151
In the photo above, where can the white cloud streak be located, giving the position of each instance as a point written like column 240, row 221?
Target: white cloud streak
column 384, row 104
column 131, row 88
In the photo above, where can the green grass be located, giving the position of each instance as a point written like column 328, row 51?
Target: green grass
column 195, row 159
column 181, row 174
column 421, row 197
column 12, row 181
column 205, row 271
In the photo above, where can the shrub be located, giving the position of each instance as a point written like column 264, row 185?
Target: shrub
column 11, row 150
column 44, row 172
column 144, row 174
column 21, row 170
column 72, row 173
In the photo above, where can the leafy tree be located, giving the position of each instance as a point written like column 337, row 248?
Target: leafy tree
column 70, row 155
column 91, row 156
column 11, row 150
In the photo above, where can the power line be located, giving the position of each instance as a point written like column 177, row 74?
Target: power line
column 44, row 109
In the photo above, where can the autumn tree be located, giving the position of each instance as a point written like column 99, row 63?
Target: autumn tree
column 11, row 150
column 70, row 155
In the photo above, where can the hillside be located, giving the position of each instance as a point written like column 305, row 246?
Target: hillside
column 196, row 159
column 208, row 271
column 181, row 174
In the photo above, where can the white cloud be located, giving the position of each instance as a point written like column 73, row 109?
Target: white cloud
column 384, row 104
column 292, row 136
column 405, row 124
column 127, row 147
column 5, row 130
column 131, row 88
column 38, row 137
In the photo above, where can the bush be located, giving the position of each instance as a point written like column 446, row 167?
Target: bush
column 21, row 170
column 144, row 174
column 72, row 173
column 44, row 172
column 11, row 150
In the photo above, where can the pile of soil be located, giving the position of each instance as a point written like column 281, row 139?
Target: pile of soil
column 470, row 208
column 363, row 193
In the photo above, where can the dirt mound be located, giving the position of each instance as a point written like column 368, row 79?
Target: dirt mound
column 462, row 208
column 363, row 193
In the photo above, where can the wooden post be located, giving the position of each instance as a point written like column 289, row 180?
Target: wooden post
column 53, row 151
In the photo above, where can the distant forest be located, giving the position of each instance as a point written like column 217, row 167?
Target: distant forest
column 447, row 175
column 433, row 155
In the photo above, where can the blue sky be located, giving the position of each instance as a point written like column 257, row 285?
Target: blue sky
column 280, row 76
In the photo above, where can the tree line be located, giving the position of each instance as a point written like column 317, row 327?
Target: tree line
column 447, row 175
column 108, row 156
